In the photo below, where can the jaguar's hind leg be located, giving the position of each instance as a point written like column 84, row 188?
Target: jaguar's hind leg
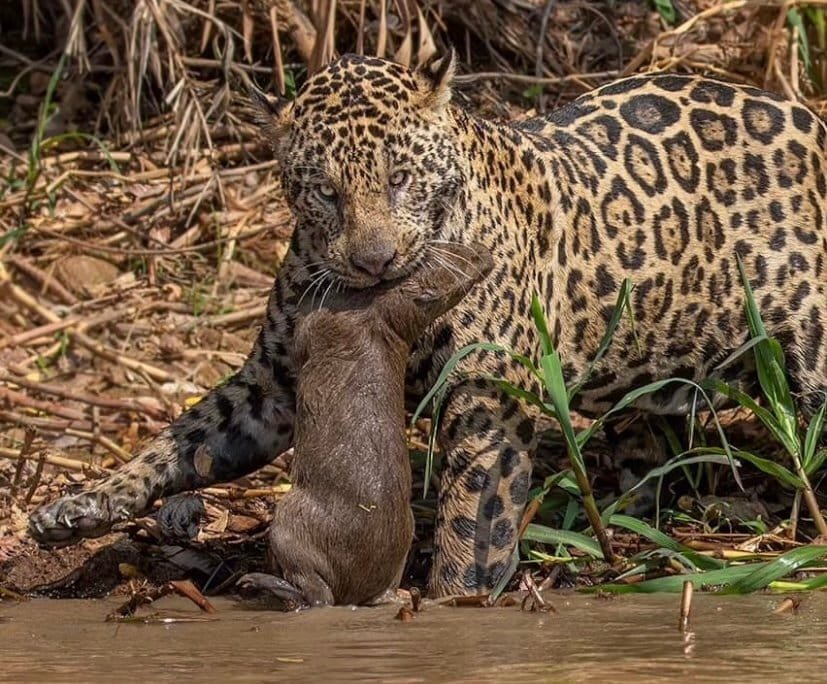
column 487, row 440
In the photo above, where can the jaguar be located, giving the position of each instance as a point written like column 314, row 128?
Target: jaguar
column 665, row 179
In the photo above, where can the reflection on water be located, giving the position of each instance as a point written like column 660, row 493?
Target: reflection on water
column 735, row 639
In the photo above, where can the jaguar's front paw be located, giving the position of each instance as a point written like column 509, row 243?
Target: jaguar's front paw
column 72, row 518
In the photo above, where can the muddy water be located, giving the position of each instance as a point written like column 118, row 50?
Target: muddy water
column 587, row 640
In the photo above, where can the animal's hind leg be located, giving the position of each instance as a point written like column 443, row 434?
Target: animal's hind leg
column 806, row 360
column 487, row 440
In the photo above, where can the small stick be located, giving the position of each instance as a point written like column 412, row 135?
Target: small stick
column 183, row 588
column 103, row 402
column 788, row 605
column 189, row 590
column 686, row 606
column 20, row 399
column 416, row 599
column 36, row 481
column 528, row 516
column 25, row 299
column 46, row 280
column 119, row 453
column 253, row 313
column 234, row 494
column 51, row 424
column 21, row 460
column 60, row 461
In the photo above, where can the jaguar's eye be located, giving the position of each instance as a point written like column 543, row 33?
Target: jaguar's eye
column 399, row 178
column 326, row 191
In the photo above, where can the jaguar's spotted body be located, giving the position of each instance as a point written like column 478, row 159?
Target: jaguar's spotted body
column 663, row 179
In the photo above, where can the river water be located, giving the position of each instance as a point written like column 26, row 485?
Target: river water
column 588, row 639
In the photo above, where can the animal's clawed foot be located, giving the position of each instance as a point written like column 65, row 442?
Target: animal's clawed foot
column 72, row 518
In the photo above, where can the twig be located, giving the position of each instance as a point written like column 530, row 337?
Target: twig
column 47, row 281
column 234, row 493
column 103, row 402
column 120, row 454
column 60, row 461
column 21, row 460
column 686, row 606
column 467, row 79
column 70, row 414
column 50, row 329
column 26, row 300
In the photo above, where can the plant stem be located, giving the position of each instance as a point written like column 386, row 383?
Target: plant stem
column 593, row 514
column 812, row 504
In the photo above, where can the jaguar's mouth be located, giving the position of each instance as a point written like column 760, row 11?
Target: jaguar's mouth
column 398, row 271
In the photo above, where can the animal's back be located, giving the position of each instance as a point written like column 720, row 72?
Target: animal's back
column 664, row 180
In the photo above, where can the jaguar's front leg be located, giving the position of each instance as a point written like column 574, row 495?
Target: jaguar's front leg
column 487, row 439
column 233, row 431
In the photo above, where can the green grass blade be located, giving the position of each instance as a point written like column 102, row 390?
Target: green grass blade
column 514, row 391
column 795, row 20
column 429, row 457
column 647, row 531
column 811, row 440
column 680, row 461
column 767, row 466
column 540, row 322
column 547, row 535
column 454, row 361
column 770, row 364
column 738, row 353
column 559, row 398
column 816, row 582
column 674, row 583
column 630, row 397
column 623, row 304
column 769, row 419
column 780, row 567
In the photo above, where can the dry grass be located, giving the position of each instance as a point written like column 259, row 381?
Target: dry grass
column 141, row 219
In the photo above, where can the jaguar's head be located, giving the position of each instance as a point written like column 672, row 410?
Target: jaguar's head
column 371, row 165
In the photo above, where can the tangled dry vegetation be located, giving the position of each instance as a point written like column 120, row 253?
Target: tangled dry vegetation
column 141, row 218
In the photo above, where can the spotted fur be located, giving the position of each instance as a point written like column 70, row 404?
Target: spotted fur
column 663, row 179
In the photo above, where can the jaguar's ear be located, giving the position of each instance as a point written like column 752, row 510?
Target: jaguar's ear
column 438, row 74
column 273, row 114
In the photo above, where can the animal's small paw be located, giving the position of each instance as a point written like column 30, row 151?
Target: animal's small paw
column 269, row 592
column 72, row 518
column 180, row 517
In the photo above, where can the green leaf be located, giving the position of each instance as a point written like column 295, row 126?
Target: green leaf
column 795, row 20
column 513, row 391
column 680, row 461
column 454, row 361
column 659, row 538
column 738, row 353
column 771, row 468
column 770, row 364
column 816, row 582
column 766, row 417
column 811, row 440
column 780, row 567
column 666, row 10
column 541, row 324
column 556, row 388
column 623, row 304
column 546, row 535
column 631, row 397
column 674, row 583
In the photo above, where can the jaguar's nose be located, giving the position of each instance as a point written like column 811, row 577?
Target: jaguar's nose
column 374, row 259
